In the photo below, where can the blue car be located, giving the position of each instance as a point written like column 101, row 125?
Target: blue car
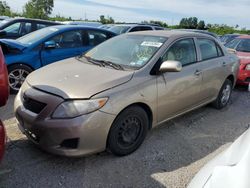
column 46, row 46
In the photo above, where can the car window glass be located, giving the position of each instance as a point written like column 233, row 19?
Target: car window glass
column 40, row 26
column 96, row 37
column 208, row 49
column 220, row 52
column 244, row 46
column 70, row 39
column 232, row 44
column 25, row 28
column 159, row 28
column 140, row 28
column 13, row 28
column 183, row 51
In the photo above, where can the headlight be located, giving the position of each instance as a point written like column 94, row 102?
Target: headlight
column 74, row 108
column 248, row 67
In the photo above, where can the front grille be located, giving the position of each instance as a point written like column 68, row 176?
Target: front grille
column 247, row 79
column 33, row 105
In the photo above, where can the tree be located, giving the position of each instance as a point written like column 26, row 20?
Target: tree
column 189, row 23
column 201, row 25
column 108, row 20
column 38, row 9
column 5, row 9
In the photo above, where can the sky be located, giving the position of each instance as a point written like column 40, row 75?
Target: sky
column 230, row 12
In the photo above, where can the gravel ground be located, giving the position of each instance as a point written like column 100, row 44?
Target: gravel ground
column 170, row 156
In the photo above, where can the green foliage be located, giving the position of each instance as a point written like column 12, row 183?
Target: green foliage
column 160, row 23
column 40, row 9
column 108, row 20
column 201, row 25
column 5, row 9
column 225, row 29
column 189, row 23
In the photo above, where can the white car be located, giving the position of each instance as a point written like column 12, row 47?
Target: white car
column 230, row 169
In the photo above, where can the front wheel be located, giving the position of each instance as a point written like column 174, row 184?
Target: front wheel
column 224, row 95
column 17, row 75
column 128, row 131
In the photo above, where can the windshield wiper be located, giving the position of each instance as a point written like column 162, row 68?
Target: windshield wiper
column 90, row 60
column 109, row 63
column 102, row 63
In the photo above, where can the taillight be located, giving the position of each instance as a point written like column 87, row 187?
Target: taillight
column 2, row 140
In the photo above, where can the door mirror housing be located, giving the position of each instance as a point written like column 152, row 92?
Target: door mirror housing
column 232, row 51
column 3, row 33
column 170, row 66
column 50, row 44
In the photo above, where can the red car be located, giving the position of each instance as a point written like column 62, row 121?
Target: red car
column 242, row 46
column 4, row 94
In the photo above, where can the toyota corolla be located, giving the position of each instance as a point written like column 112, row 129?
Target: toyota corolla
column 113, row 95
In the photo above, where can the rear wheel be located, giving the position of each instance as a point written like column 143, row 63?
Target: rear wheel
column 128, row 131
column 224, row 95
column 17, row 75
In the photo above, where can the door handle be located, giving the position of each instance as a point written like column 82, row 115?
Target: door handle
column 197, row 73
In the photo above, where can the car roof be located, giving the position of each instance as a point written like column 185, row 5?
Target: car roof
column 171, row 34
column 69, row 27
column 244, row 37
column 29, row 19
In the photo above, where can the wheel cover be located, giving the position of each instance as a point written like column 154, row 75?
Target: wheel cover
column 129, row 132
column 226, row 92
column 16, row 78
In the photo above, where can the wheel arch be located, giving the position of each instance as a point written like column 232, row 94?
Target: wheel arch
column 231, row 78
column 20, row 63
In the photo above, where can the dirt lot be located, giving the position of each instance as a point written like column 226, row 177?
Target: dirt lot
column 170, row 156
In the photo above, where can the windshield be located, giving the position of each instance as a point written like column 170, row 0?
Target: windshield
column 232, row 44
column 119, row 29
column 244, row 46
column 3, row 22
column 32, row 37
column 129, row 51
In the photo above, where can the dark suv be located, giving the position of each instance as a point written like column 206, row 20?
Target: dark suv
column 18, row 27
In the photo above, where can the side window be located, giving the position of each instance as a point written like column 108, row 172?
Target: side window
column 41, row 26
column 183, row 51
column 14, row 28
column 208, row 49
column 70, row 39
column 140, row 28
column 26, row 28
column 96, row 37
column 219, row 50
column 159, row 28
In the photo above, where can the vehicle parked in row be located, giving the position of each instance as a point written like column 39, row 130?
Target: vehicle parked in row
column 14, row 28
column 113, row 95
column 4, row 94
column 127, row 28
column 241, row 46
column 229, row 169
column 228, row 37
column 46, row 46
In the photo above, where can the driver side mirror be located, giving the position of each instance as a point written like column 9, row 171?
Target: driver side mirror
column 170, row 66
column 50, row 45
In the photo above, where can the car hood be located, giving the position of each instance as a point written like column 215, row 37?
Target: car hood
column 12, row 44
column 244, row 57
column 229, row 169
column 72, row 79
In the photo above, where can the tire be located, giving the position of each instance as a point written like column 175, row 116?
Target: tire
column 17, row 75
column 128, row 131
column 224, row 95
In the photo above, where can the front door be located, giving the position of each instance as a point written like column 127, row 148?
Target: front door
column 179, row 91
column 68, row 44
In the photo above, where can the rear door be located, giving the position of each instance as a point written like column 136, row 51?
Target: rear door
column 213, row 62
column 179, row 91
column 68, row 44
